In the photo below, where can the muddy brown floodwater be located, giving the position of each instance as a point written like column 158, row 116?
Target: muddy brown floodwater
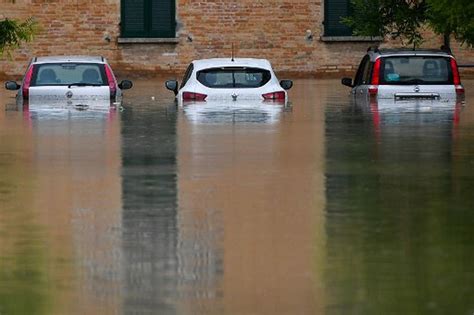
column 327, row 207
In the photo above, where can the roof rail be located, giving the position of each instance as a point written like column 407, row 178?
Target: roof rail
column 102, row 58
column 373, row 48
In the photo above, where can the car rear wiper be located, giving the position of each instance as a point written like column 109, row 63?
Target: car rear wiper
column 413, row 81
column 83, row 84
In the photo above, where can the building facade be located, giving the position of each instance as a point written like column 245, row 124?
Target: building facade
column 150, row 37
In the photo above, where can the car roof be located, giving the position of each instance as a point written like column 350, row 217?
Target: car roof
column 228, row 62
column 375, row 53
column 53, row 59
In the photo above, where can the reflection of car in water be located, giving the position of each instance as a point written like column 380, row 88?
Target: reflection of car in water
column 83, row 79
column 48, row 104
column 408, row 120
column 418, row 111
column 234, row 112
column 61, row 110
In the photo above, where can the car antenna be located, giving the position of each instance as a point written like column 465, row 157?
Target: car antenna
column 232, row 55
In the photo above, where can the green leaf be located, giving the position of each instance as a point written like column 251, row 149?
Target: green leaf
column 13, row 33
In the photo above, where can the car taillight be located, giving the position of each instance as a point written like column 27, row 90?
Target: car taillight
column 27, row 82
column 191, row 96
column 374, row 87
column 454, row 69
column 459, row 89
column 373, row 90
column 111, row 81
column 376, row 73
column 456, row 77
column 274, row 95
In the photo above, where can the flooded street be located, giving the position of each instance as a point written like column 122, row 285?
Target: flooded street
column 326, row 207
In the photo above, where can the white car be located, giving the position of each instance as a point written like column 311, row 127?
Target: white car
column 68, row 79
column 226, row 79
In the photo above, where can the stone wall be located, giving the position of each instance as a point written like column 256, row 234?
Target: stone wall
column 285, row 32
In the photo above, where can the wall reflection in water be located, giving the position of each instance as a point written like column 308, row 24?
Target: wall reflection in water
column 250, row 199
column 208, row 226
column 150, row 230
column 330, row 208
column 60, row 203
column 24, row 272
column 398, row 220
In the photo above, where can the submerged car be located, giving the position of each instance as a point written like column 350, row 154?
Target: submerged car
column 69, row 79
column 221, row 79
column 407, row 74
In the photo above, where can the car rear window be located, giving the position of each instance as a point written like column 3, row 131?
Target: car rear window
column 415, row 70
column 235, row 77
column 68, row 73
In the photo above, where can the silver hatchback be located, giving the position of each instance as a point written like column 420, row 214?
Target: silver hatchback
column 69, row 79
column 407, row 74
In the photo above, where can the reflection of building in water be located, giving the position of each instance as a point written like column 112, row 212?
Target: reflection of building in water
column 21, row 232
column 78, row 157
column 150, row 232
column 392, row 208
column 74, row 200
column 251, row 199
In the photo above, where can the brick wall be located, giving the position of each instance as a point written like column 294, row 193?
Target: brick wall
column 276, row 30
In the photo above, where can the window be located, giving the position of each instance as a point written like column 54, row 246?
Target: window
column 334, row 10
column 69, row 73
column 148, row 18
column 187, row 75
column 235, row 77
column 416, row 70
column 363, row 72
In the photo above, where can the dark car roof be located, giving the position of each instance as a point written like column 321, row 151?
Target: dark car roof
column 403, row 51
column 375, row 53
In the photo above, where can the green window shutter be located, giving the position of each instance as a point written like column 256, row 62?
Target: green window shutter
column 148, row 18
column 133, row 18
column 163, row 18
column 334, row 10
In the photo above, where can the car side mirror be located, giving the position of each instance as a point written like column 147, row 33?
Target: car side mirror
column 125, row 84
column 347, row 82
column 286, row 84
column 172, row 85
column 12, row 85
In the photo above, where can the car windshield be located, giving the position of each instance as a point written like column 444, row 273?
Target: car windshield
column 68, row 73
column 415, row 70
column 235, row 77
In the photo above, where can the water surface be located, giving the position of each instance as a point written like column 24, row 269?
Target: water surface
column 329, row 206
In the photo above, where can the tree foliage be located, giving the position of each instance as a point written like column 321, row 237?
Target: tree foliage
column 405, row 19
column 14, row 32
column 452, row 17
